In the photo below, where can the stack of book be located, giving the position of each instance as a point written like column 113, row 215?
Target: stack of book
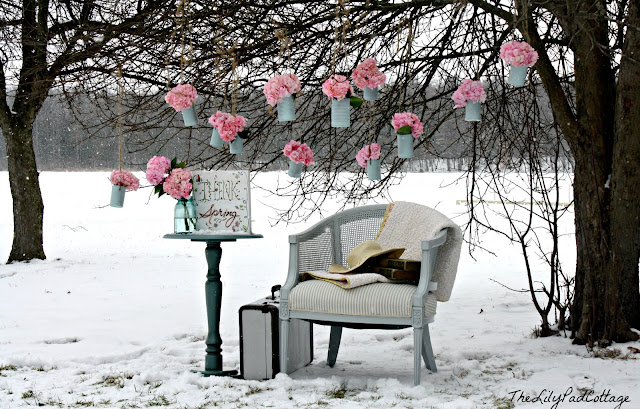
column 396, row 269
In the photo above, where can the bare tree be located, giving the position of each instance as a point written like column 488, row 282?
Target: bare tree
column 42, row 44
column 587, row 69
column 515, row 179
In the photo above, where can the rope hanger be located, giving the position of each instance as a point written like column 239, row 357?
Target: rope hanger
column 181, row 19
column 284, row 55
column 120, row 97
column 340, row 33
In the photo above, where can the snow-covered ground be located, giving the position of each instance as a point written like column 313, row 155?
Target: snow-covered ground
column 115, row 318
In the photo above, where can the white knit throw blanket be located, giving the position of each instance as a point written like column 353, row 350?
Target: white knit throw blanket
column 408, row 224
column 346, row 280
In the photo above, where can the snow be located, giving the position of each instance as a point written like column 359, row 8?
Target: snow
column 115, row 318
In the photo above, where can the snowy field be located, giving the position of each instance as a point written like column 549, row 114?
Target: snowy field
column 115, row 318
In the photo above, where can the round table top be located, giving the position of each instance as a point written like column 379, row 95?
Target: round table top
column 211, row 237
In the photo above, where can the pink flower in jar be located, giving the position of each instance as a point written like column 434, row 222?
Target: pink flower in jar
column 178, row 183
column 469, row 91
column 409, row 119
column 368, row 152
column 230, row 127
column 157, row 168
column 280, row 87
column 217, row 119
column 125, row 179
column 518, row 54
column 181, row 97
column 337, row 86
column 367, row 74
column 299, row 152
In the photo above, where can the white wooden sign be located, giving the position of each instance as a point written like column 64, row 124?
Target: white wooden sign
column 223, row 201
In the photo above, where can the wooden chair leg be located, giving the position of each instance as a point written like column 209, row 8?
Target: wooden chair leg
column 427, row 351
column 417, row 353
column 284, row 345
column 334, row 345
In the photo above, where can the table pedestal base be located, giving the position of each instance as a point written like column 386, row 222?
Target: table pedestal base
column 213, row 298
column 215, row 372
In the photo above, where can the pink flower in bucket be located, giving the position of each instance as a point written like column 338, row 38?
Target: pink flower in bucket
column 217, row 119
column 299, row 153
column 178, row 183
column 280, row 87
column 337, row 86
column 518, row 54
column 230, row 126
column 368, row 152
column 409, row 120
column 125, row 179
column 469, row 91
column 181, row 97
column 367, row 74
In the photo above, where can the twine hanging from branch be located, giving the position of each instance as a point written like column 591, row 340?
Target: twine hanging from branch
column 340, row 33
column 234, row 80
column 284, row 56
column 120, row 97
column 230, row 54
column 184, row 27
column 218, row 34
column 407, row 59
column 181, row 21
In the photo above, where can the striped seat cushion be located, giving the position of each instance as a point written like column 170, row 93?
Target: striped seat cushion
column 378, row 299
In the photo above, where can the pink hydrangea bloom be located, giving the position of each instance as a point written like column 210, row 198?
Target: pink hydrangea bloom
column 229, row 126
column 181, row 97
column 178, row 183
column 299, row 152
column 337, row 86
column 126, row 179
column 157, row 168
column 368, row 152
column 469, row 91
column 407, row 118
column 281, row 86
column 367, row 74
column 218, row 118
column 518, row 54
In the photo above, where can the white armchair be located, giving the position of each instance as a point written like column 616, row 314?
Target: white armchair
column 377, row 305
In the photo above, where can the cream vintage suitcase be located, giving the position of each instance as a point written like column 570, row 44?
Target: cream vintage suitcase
column 260, row 339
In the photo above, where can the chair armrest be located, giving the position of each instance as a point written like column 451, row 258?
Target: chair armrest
column 293, row 277
column 429, row 255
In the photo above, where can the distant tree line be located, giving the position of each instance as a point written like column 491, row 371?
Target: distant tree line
column 79, row 139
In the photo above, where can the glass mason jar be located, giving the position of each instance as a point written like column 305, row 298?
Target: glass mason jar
column 185, row 216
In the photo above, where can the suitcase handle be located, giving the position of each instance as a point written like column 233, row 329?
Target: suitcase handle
column 275, row 288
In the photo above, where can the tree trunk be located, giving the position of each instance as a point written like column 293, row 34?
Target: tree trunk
column 607, row 254
column 597, row 316
column 625, row 178
column 25, row 191
column 603, row 137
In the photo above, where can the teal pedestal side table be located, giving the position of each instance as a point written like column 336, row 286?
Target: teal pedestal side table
column 213, row 294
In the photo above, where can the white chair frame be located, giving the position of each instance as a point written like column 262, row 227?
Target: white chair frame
column 333, row 249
